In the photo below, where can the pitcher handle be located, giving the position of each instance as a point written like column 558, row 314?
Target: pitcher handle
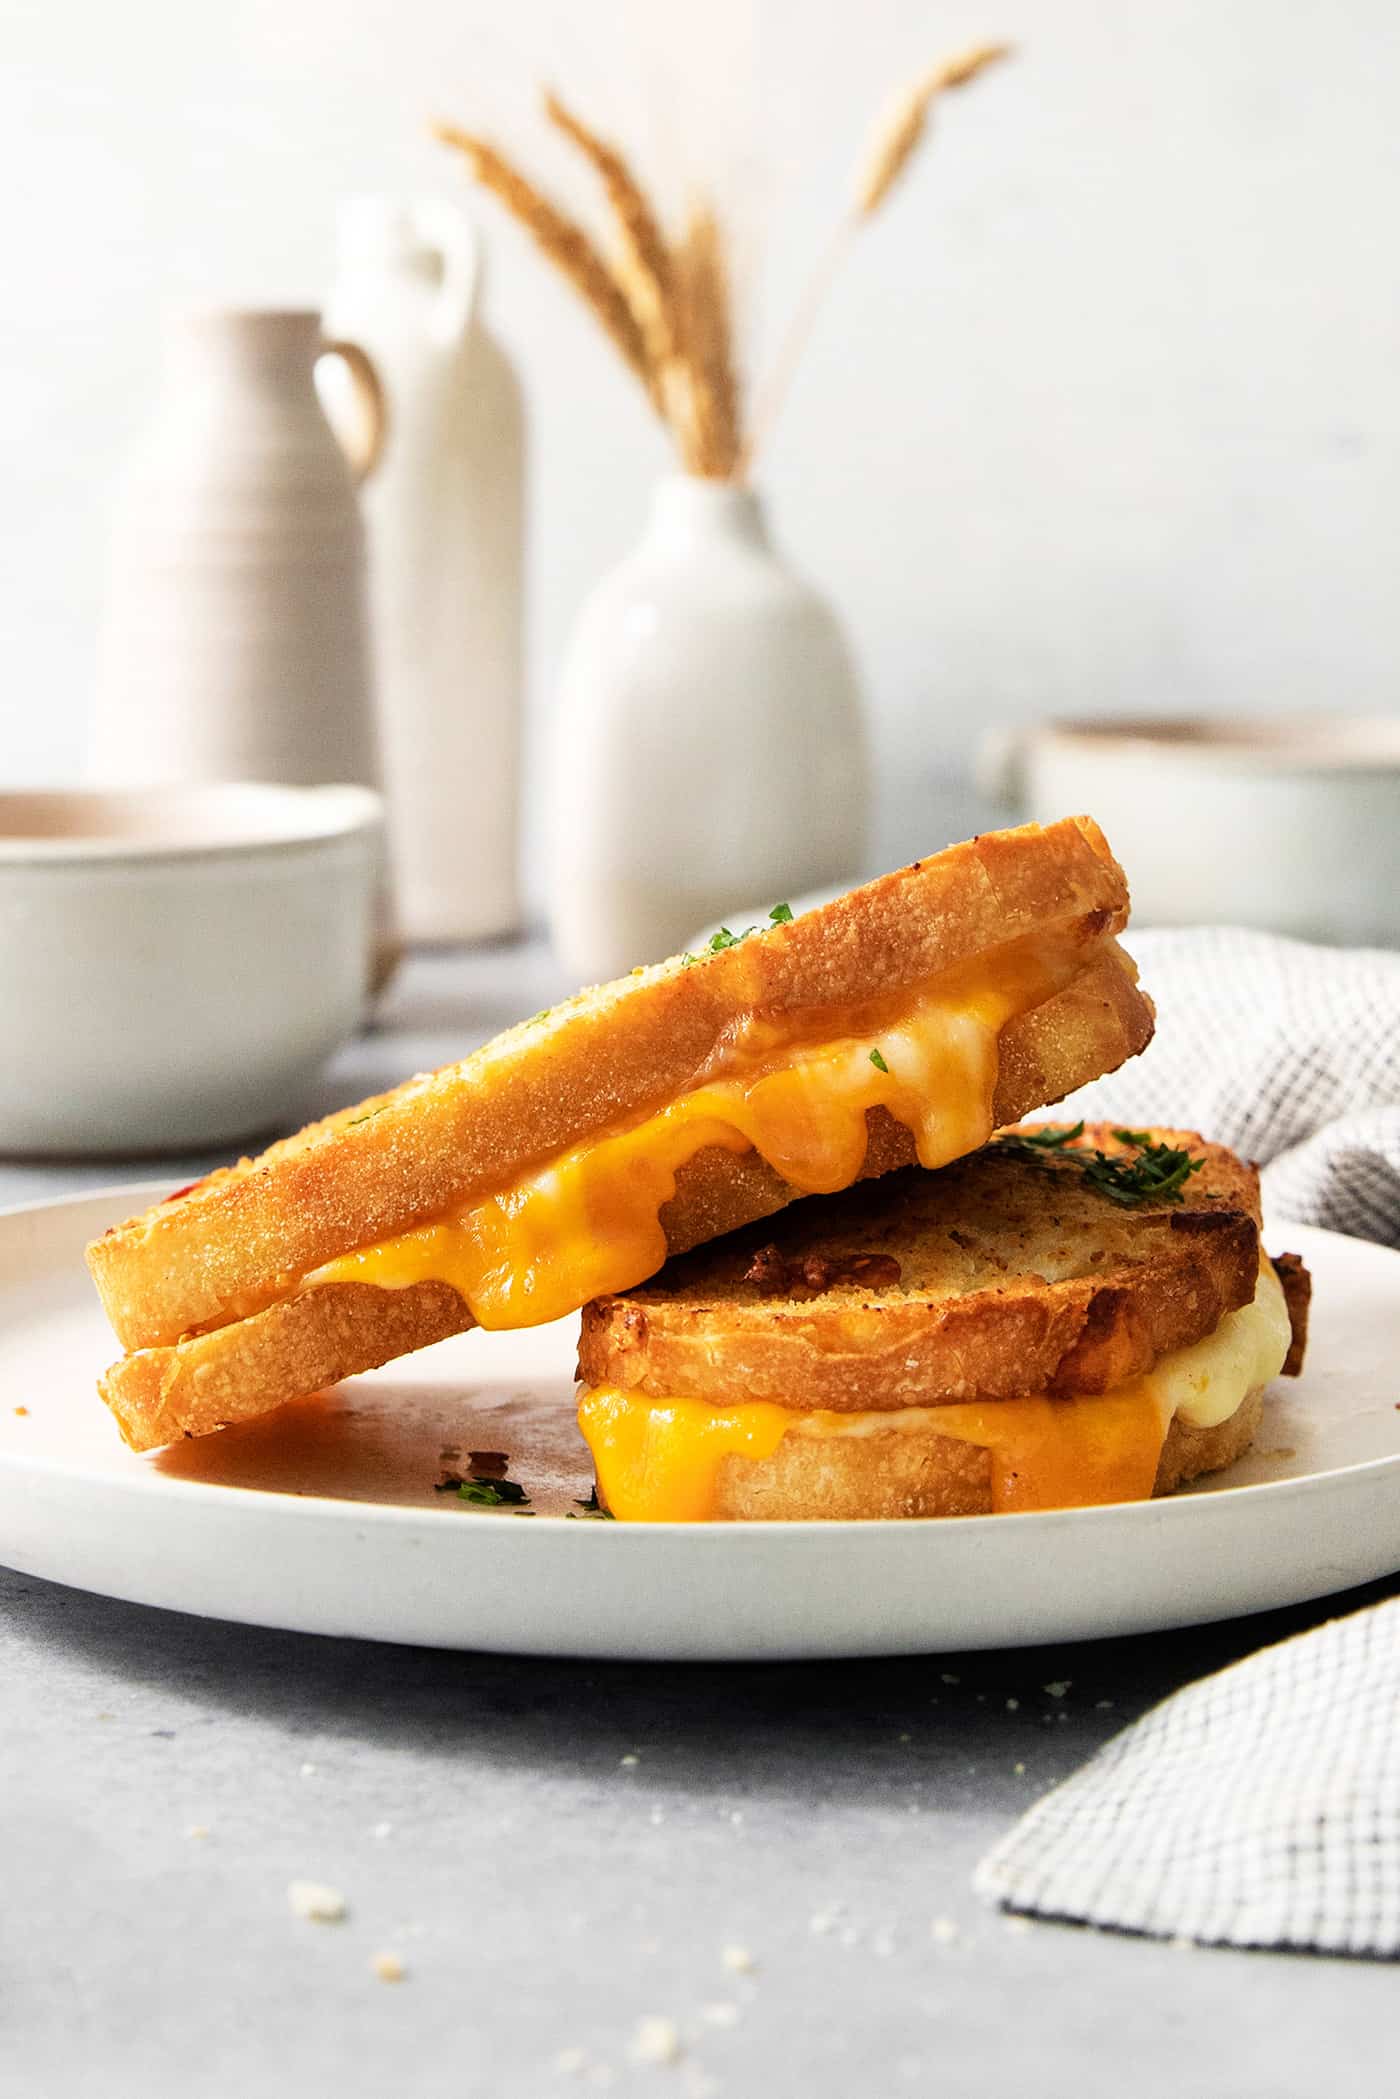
column 363, row 441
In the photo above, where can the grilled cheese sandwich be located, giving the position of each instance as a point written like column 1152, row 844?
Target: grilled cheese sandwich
column 659, row 1460
column 994, row 1337
column 570, row 1156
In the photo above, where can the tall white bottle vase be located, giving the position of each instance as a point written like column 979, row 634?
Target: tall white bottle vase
column 234, row 641
column 445, row 517
column 709, row 745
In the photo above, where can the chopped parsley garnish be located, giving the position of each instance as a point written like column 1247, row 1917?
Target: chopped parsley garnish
column 486, row 1493
column 780, row 915
column 1048, row 1140
column 1153, row 1172
column 1157, row 1174
column 592, row 1510
column 493, row 1494
column 878, row 1061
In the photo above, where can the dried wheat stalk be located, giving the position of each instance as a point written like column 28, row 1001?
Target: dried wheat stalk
column 713, row 438
column 668, row 310
column 669, row 307
column 895, row 143
column 565, row 243
column 680, row 298
column 899, row 135
column 647, row 275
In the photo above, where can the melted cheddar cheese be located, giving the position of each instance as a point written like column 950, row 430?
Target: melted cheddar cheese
column 658, row 1460
column 589, row 1220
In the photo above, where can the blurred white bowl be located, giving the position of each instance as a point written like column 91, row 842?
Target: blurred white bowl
column 1288, row 823
column 177, row 963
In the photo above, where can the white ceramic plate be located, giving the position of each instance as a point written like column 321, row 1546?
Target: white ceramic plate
column 324, row 1518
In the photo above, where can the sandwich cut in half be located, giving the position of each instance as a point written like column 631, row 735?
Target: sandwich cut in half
column 568, row 1157
column 1067, row 1317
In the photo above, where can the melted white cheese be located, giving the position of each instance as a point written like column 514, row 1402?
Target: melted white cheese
column 1204, row 1385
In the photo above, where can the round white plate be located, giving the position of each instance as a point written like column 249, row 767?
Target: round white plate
column 324, row 1517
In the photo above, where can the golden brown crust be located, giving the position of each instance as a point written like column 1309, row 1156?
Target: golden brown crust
column 900, row 1473
column 290, row 1349
column 212, row 1380
column 1190, row 1452
column 1297, row 1295
column 915, row 1472
column 1016, row 1277
column 240, row 1238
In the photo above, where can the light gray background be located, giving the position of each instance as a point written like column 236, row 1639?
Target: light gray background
column 1102, row 415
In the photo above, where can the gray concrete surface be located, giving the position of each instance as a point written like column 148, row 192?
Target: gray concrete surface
column 557, row 1852
column 545, row 1894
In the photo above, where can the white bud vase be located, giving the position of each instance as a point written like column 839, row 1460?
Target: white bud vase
column 709, row 744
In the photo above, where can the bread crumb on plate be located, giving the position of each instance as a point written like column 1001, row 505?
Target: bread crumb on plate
column 656, row 2040
column 316, row 1903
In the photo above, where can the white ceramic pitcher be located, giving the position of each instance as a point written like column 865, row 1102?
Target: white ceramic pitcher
column 235, row 642
column 445, row 518
column 710, row 743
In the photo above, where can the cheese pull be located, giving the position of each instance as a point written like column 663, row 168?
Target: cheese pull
column 589, row 1221
column 658, row 1460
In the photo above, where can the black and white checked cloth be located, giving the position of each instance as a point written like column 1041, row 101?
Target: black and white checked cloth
column 1290, row 1054
column 1260, row 1807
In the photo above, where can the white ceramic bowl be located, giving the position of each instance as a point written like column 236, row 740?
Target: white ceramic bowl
column 1291, row 824
column 177, row 963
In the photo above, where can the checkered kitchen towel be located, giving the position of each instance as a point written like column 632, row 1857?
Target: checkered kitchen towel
column 1290, row 1054
column 1260, row 1807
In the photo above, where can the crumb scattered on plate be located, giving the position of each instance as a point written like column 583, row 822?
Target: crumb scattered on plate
column 656, row 2040
column 316, row 1903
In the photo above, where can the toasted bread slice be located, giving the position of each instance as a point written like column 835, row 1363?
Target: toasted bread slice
column 1001, row 1275
column 244, row 1238
column 902, row 1473
column 995, row 1335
